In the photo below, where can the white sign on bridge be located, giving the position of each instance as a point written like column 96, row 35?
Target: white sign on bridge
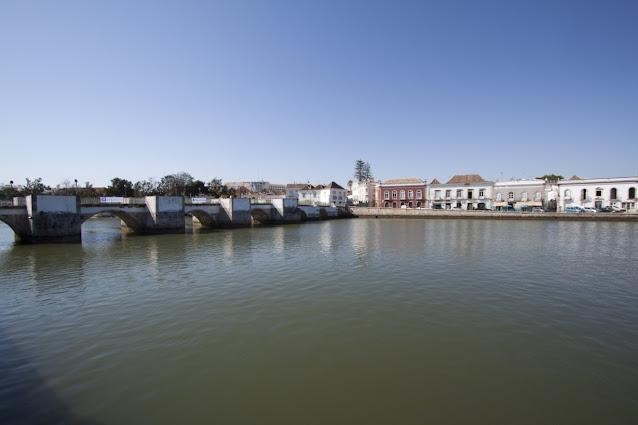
column 198, row 200
column 112, row 199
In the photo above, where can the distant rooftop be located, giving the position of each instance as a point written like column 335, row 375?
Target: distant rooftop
column 467, row 178
column 404, row 181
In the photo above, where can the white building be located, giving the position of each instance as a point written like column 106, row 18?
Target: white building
column 615, row 192
column 330, row 194
column 520, row 194
column 466, row 191
column 363, row 192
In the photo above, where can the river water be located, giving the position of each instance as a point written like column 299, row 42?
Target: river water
column 357, row 321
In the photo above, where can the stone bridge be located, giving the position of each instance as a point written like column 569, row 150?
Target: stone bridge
column 44, row 218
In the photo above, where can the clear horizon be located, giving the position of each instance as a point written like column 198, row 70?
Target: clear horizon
column 287, row 91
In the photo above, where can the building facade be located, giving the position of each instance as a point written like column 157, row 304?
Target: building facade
column 463, row 191
column 520, row 195
column 364, row 192
column 401, row 193
column 616, row 192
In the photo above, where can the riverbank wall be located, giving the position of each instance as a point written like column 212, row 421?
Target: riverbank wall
column 369, row 212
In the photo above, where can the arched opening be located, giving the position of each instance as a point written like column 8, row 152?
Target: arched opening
column 8, row 230
column 394, row 205
column 126, row 220
column 303, row 216
column 204, row 219
column 613, row 193
column 418, row 204
column 632, row 193
column 323, row 214
column 409, row 204
column 386, row 205
column 258, row 217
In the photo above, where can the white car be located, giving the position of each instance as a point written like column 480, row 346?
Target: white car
column 589, row 210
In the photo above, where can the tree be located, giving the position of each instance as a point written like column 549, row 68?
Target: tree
column 215, row 187
column 195, row 188
column 551, row 177
column 145, row 188
column 35, row 187
column 119, row 187
column 175, row 184
column 362, row 170
column 350, row 185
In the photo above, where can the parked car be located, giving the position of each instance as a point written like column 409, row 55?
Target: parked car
column 612, row 210
column 589, row 210
column 573, row 210
column 539, row 209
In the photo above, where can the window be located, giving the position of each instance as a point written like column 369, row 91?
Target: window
column 459, row 193
column 499, row 197
column 583, row 194
column 403, row 194
column 537, row 196
column 386, row 194
column 410, row 194
column 470, row 192
column 394, row 195
column 481, row 193
column 419, row 194
column 448, row 194
column 568, row 194
column 524, row 196
column 437, row 195
column 599, row 192
column 632, row 192
column 510, row 196
column 614, row 193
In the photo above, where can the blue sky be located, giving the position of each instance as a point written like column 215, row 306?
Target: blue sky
column 296, row 91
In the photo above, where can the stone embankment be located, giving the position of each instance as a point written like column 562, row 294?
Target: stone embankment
column 367, row 212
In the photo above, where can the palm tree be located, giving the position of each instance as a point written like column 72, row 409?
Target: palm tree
column 350, row 185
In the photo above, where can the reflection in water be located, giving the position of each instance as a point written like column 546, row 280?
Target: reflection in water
column 262, row 325
column 278, row 239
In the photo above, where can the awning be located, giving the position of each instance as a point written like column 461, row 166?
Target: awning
column 529, row 204
column 499, row 204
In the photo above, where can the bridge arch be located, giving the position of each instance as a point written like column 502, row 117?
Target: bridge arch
column 13, row 225
column 259, row 217
column 323, row 214
column 204, row 218
column 130, row 221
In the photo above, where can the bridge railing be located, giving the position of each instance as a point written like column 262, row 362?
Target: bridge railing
column 257, row 201
column 112, row 200
column 201, row 201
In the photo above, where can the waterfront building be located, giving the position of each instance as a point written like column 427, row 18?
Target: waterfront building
column 615, row 192
column 306, row 194
column 258, row 186
column 364, row 192
column 520, row 194
column 463, row 191
column 401, row 193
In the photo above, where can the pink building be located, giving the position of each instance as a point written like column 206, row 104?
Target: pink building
column 401, row 193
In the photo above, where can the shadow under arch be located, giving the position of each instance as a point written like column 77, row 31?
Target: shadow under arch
column 13, row 225
column 323, row 214
column 302, row 215
column 130, row 221
column 204, row 218
column 259, row 217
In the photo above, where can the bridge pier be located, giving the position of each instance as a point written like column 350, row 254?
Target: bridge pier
column 51, row 219
column 286, row 211
column 166, row 214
